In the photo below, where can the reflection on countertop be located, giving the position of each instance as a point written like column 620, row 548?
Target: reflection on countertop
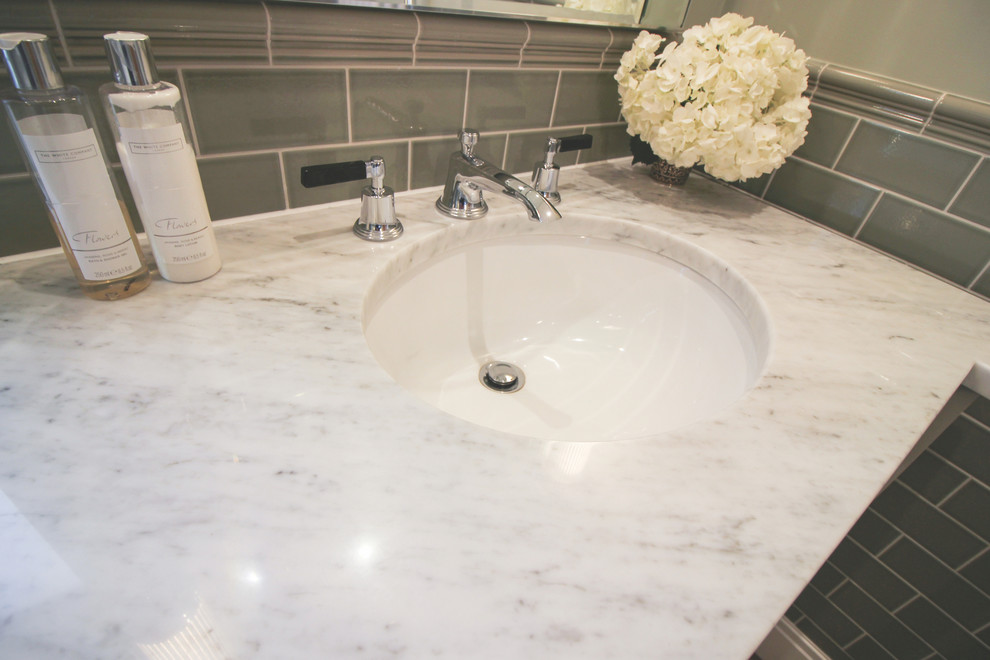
column 226, row 464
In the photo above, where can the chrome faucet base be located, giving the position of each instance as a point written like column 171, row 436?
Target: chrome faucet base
column 378, row 233
column 465, row 211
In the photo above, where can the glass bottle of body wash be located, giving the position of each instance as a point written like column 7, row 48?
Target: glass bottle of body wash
column 154, row 143
column 60, row 145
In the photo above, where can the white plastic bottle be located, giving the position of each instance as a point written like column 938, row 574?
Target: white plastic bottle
column 155, row 148
column 58, row 138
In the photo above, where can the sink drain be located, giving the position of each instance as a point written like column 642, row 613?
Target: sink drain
column 502, row 377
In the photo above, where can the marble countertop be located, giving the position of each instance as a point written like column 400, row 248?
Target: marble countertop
column 223, row 469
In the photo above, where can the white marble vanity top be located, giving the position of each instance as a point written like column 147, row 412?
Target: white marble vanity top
column 222, row 470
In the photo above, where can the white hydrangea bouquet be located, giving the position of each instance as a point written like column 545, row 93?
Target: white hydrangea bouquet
column 727, row 97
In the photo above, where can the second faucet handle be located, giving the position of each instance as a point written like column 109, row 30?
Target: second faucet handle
column 378, row 221
column 546, row 172
column 469, row 140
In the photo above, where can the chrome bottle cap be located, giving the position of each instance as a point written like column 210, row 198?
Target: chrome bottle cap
column 30, row 61
column 130, row 58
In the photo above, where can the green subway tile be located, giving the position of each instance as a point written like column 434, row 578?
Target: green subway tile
column 390, row 104
column 24, row 222
column 978, row 572
column 557, row 45
column 396, row 157
column 31, row 16
column 865, row 648
column 430, row 158
column 823, row 641
column 935, row 241
column 827, row 578
column 938, row 583
column 264, row 109
column 967, row 446
column 755, row 186
column 934, row 530
column 973, row 202
column 828, row 131
column 341, row 35
column 970, row 505
column 181, row 31
column 608, row 142
column 961, row 120
column 942, row 633
column 505, row 100
column 914, row 166
column 11, row 161
column 526, row 149
column 469, row 41
column 892, row 101
column 827, row 616
column 931, row 477
column 982, row 285
column 586, row 98
column 980, row 410
column 871, row 576
column 821, row 195
column 873, row 532
column 880, row 624
column 242, row 185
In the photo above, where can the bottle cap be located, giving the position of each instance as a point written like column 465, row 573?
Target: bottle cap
column 30, row 61
column 130, row 58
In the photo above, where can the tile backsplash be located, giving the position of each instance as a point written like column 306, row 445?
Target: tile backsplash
column 896, row 166
column 272, row 87
column 912, row 577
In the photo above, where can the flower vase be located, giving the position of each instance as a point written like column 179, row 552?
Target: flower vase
column 668, row 174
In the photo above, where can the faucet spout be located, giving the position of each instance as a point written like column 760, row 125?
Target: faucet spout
column 468, row 174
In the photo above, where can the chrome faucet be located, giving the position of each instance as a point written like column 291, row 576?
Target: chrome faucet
column 467, row 174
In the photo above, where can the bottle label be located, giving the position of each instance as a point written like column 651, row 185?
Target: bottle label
column 161, row 169
column 84, row 203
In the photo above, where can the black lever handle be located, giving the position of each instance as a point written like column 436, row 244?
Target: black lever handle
column 312, row 176
column 574, row 142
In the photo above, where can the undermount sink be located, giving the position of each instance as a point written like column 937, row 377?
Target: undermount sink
column 610, row 330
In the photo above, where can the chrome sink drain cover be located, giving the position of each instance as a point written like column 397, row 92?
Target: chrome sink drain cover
column 502, row 377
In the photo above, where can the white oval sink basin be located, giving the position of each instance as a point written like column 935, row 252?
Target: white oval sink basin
column 621, row 331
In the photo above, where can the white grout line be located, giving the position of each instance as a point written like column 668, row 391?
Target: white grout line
column 268, row 34
column 409, row 164
column 845, row 144
column 285, row 183
column 611, row 40
column 965, row 182
column 818, row 81
column 467, row 89
column 419, row 30
column 931, row 113
column 58, row 30
column 556, row 95
column 330, row 66
column 529, row 35
column 766, row 186
column 983, row 271
column 868, row 214
column 347, row 94
column 188, row 109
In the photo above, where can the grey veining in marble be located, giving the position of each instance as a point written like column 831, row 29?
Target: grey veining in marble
column 223, row 464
